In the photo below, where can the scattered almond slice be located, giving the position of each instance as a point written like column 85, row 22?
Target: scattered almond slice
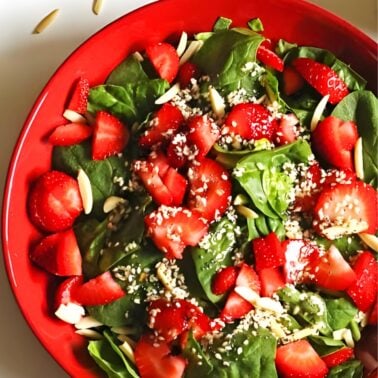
column 370, row 240
column 111, row 203
column 246, row 212
column 164, row 279
column 217, row 102
column 358, row 159
column 73, row 116
column 182, row 44
column 70, row 313
column 335, row 232
column 87, row 322
column 276, row 329
column 240, row 199
column 301, row 334
column 318, row 112
column 85, row 189
column 124, row 338
column 97, row 6
column 269, row 304
column 46, row 21
column 127, row 350
column 348, row 338
column 248, row 294
column 168, row 96
column 122, row 330
column 90, row 334
column 138, row 56
column 193, row 47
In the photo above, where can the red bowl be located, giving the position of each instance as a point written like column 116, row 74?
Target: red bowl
column 304, row 24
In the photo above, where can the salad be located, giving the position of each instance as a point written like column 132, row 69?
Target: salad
column 211, row 210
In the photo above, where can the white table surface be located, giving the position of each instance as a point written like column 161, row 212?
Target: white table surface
column 26, row 63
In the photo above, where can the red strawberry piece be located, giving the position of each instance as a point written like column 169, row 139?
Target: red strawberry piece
column 299, row 359
column 72, row 133
column 236, row 307
column 269, row 58
column 268, row 252
column 250, row 121
column 153, row 359
column 323, row 78
column 333, row 141
column 340, row 356
column 165, row 60
column 210, row 188
column 247, row 277
column 110, row 136
column 179, row 152
column 271, row 280
column 331, row 271
column 364, row 291
column 187, row 72
column 176, row 184
column 174, row 228
column 99, row 290
column 286, row 131
column 224, row 280
column 79, row 99
column 203, row 133
column 292, row 81
column 298, row 253
column 338, row 176
column 373, row 315
column 58, row 254
column 63, row 294
column 160, row 162
column 353, row 207
column 164, row 124
column 54, row 201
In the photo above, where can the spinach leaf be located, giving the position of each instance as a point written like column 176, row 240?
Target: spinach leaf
column 362, row 108
column 340, row 312
column 347, row 245
column 262, row 226
column 325, row 345
column 349, row 369
column 222, row 23
column 258, row 171
column 214, row 255
column 256, row 25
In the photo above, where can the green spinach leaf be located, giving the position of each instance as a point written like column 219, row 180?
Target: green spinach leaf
column 340, row 312
column 349, row 369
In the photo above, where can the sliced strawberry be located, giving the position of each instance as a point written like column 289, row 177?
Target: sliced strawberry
column 338, row 176
column 250, row 121
column 176, row 184
column 72, row 133
column 224, row 280
column 58, row 254
column 153, row 359
column 160, row 162
column 165, row 60
column 364, row 291
column 174, row 228
column 247, row 277
column 236, row 307
column 63, row 294
column 333, row 141
column 110, row 136
column 54, row 201
column 210, row 188
column 203, row 133
column 179, row 152
column 269, row 58
column 286, row 131
column 165, row 123
column 323, row 78
column 338, row 357
column 351, row 208
column 299, row 359
column 373, row 315
column 79, row 99
column 187, row 72
column 268, row 252
column 331, row 271
column 100, row 290
column 292, row 81
column 271, row 280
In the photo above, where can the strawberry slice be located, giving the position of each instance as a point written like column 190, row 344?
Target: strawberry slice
column 174, row 228
column 271, row 280
column 331, row 271
column 165, row 123
column 187, row 72
column 72, row 133
column 54, row 201
column 323, row 78
column 250, row 121
column 110, row 136
column 210, row 188
column 224, row 280
column 345, row 209
column 269, row 58
column 165, row 60
column 179, row 152
column 334, row 140
column 63, row 294
column 338, row 357
column 292, row 81
column 268, row 252
column 373, row 315
column 203, row 133
column 176, row 184
column 79, row 99
column 247, row 277
column 98, row 291
column 153, row 359
column 236, row 307
column 58, row 254
column 364, row 291
column 286, row 131
column 299, row 359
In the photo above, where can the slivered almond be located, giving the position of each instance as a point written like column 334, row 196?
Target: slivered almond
column 46, row 21
column 269, row 304
column 111, row 203
column 85, row 189
column 348, row 338
column 370, row 240
column 182, row 44
column 127, row 350
column 123, row 330
column 74, row 117
column 246, row 212
column 90, row 334
column 87, row 322
column 138, row 56
column 248, row 294
column 97, row 6
column 217, row 102
column 318, row 112
column 70, row 313
column 164, row 279
column 335, row 232
column 128, row 339
column 193, row 47
column 168, row 96
column 358, row 159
